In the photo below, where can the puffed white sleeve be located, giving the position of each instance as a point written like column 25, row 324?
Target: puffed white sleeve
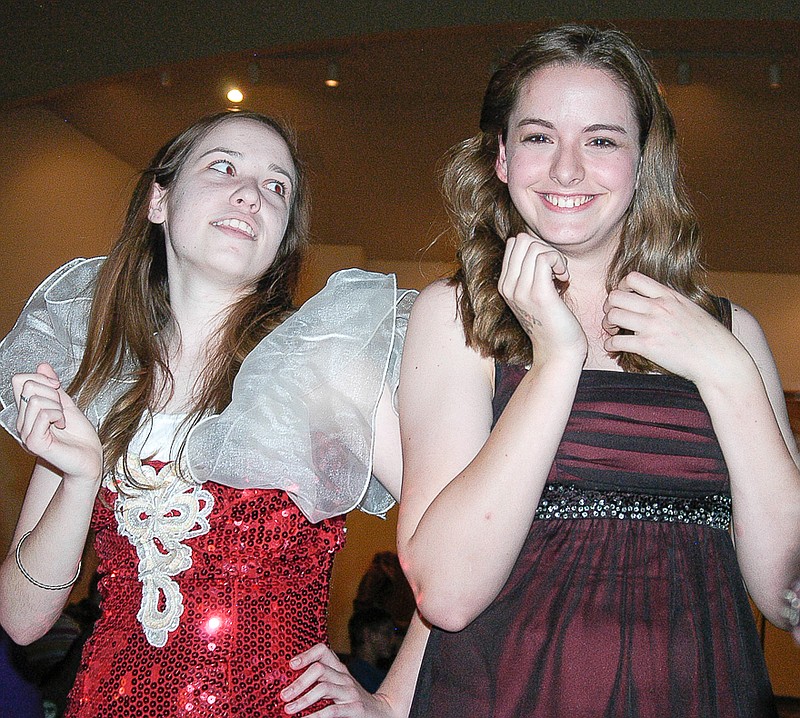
column 53, row 328
column 302, row 415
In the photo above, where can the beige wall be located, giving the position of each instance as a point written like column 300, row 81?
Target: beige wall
column 61, row 196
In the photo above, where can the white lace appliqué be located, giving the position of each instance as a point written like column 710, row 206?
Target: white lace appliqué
column 156, row 521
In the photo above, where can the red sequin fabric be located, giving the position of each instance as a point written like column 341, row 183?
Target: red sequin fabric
column 255, row 595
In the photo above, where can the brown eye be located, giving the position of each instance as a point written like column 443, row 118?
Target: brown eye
column 277, row 187
column 223, row 167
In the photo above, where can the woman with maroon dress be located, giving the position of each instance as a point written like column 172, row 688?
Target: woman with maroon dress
column 597, row 457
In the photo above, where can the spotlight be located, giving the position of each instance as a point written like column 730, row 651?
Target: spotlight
column 684, row 73
column 254, row 72
column 235, row 95
column 332, row 78
column 774, row 75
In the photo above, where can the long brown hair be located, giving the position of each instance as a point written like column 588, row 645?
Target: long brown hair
column 131, row 306
column 660, row 236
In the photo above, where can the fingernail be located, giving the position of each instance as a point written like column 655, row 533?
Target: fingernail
column 294, row 662
column 791, row 612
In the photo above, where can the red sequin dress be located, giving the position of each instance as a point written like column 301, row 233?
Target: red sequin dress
column 208, row 590
column 254, row 595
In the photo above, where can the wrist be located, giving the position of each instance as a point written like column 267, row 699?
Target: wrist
column 82, row 483
column 731, row 376
column 560, row 363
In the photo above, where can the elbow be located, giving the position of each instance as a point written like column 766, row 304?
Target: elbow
column 448, row 611
column 440, row 600
column 22, row 635
column 22, row 625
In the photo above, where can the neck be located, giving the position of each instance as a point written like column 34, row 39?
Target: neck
column 199, row 313
column 586, row 296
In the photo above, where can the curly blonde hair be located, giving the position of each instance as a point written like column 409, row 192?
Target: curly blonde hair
column 660, row 236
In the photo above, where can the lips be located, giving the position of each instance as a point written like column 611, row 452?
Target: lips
column 238, row 224
column 563, row 201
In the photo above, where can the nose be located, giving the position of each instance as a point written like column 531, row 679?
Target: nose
column 247, row 196
column 567, row 166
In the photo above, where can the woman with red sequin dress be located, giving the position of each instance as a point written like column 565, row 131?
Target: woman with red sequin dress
column 124, row 390
column 582, row 421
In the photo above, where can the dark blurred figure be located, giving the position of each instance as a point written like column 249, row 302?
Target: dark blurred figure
column 384, row 585
column 51, row 662
column 373, row 646
column 19, row 698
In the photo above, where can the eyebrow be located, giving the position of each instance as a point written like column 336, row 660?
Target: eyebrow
column 598, row 127
column 235, row 153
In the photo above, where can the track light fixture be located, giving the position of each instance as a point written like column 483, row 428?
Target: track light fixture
column 332, row 76
column 254, row 72
column 684, row 72
column 774, row 75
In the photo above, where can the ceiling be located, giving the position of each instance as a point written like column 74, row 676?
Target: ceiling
column 373, row 143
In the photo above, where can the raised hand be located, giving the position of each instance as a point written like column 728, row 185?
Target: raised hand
column 325, row 677
column 668, row 329
column 53, row 428
column 531, row 269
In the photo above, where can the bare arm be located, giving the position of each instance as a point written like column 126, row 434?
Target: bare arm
column 57, row 507
column 470, row 492
column 397, row 689
column 741, row 389
column 387, row 463
column 762, row 458
column 324, row 676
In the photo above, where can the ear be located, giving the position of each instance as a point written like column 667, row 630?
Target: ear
column 156, row 213
column 501, row 163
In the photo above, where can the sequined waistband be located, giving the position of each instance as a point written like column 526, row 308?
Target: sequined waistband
column 568, row 501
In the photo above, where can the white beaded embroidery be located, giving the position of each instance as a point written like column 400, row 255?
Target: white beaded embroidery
column 570, row 501
column 156, row 520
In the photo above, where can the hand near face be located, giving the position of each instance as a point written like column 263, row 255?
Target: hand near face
column 667, row 328
column 325, row 677
column 53, row 428
column 527, row 282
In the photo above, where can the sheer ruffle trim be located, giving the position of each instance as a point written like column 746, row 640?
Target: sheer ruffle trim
column 302, row 418
column 53, row 328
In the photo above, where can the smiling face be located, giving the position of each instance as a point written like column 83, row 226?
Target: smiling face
column 570, row 157
column 226, row 212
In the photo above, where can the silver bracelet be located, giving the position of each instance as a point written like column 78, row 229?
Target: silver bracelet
column 36, row 583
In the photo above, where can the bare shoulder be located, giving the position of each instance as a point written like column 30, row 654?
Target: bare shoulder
column 748, row 331
column 437, row 303
column 743, row 324
column 436, row 333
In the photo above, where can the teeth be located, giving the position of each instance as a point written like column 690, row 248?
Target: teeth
column 235, row 224
column 571, row 201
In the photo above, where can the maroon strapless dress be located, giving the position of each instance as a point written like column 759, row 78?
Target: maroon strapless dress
column 626, row 599
column 255, row 594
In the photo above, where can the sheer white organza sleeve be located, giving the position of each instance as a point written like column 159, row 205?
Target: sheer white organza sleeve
column 304, row 402
column 303, row 410
column 52, row 328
